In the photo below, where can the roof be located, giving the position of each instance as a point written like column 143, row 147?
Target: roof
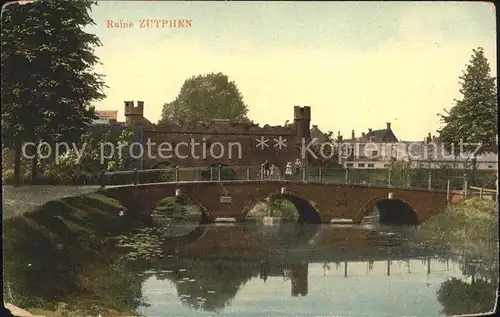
column 318, row 134
column 379, row 136
column 111, row 114
column 382, row 135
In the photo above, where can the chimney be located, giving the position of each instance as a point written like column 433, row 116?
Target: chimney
column 388, row 125
column 370, row 130
column 315, row 126
column 353, row 136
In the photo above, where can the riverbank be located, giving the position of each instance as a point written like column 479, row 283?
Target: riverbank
column 18, row 200
column 469, row 222
column 59, row 260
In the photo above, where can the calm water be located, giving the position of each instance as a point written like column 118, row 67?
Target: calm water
column 291, row 270
column 323, row 271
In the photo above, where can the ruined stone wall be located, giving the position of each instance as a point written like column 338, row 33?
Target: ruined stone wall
column 209, row 148
column 219, row 141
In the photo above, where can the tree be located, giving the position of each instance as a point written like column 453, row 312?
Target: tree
column 48, row 81
column 473, row 119
column 71, row 166
column 327, row 152
column 206, row 97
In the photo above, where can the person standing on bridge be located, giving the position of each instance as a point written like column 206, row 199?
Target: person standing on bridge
column 267, row 169
column 298, row 165
column 288, row 169
column 275, row 172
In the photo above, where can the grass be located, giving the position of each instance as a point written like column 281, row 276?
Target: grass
column 58, row 260
column 469, row 222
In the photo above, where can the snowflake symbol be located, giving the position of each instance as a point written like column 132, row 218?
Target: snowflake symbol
column 280, row 143
column 262, row 142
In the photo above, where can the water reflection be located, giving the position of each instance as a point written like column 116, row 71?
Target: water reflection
column 478, row 291
column 208, row 277
column 252, row 270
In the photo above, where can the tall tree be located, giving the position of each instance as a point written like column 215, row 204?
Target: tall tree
column 206, row 97
column 473, row 119
column 48, row 78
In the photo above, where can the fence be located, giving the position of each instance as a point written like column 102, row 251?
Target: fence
column 428, row 179
column 482, row 193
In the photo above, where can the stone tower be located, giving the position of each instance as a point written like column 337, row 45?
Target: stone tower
column 134, row 115
column 302, row 120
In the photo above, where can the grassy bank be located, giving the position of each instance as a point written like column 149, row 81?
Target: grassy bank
column 58, row 260
column 470, row 222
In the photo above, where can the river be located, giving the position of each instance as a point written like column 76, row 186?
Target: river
column 256, row 270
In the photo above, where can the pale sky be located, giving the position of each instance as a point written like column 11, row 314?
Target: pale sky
column 358, row 65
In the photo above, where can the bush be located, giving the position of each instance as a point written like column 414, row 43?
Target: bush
column 470, row 221
column 8, row 176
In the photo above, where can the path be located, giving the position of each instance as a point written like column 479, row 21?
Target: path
column 18, row 200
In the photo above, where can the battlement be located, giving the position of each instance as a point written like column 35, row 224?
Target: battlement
column 131, row 110
column 302, row 113
column 224, row 127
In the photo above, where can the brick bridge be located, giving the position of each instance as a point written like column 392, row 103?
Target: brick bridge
column 316, row 202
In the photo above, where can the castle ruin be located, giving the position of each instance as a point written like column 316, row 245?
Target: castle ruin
column 241, row 142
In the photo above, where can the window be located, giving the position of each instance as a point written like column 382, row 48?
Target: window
column 348, row 164
column 386, row 165
column 490, row 166
column 361, row 165
column 374, row 153
column 371, row 165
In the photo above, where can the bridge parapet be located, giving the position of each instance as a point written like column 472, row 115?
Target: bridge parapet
column 371, row 178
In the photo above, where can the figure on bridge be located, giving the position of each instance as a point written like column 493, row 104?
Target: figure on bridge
column 266, row 169
column 288, row 169
column 298, row 165
column 275, row 172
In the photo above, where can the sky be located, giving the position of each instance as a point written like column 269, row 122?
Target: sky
column 357, row 65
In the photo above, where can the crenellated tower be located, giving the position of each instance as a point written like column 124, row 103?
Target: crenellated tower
column 302, row 120
column 134, row 114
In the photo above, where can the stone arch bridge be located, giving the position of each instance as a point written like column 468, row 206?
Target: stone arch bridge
column 317, row 201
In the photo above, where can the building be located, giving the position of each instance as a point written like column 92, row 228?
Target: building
column 105, row 117
column 373, row 149
column 431, row 153
column 319, row 136
column 379, row 148
column 220, row 142
column 378, row 136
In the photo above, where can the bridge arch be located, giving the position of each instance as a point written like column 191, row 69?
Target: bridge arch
column 395, row 211
column 186, row 200
column 308, row 210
